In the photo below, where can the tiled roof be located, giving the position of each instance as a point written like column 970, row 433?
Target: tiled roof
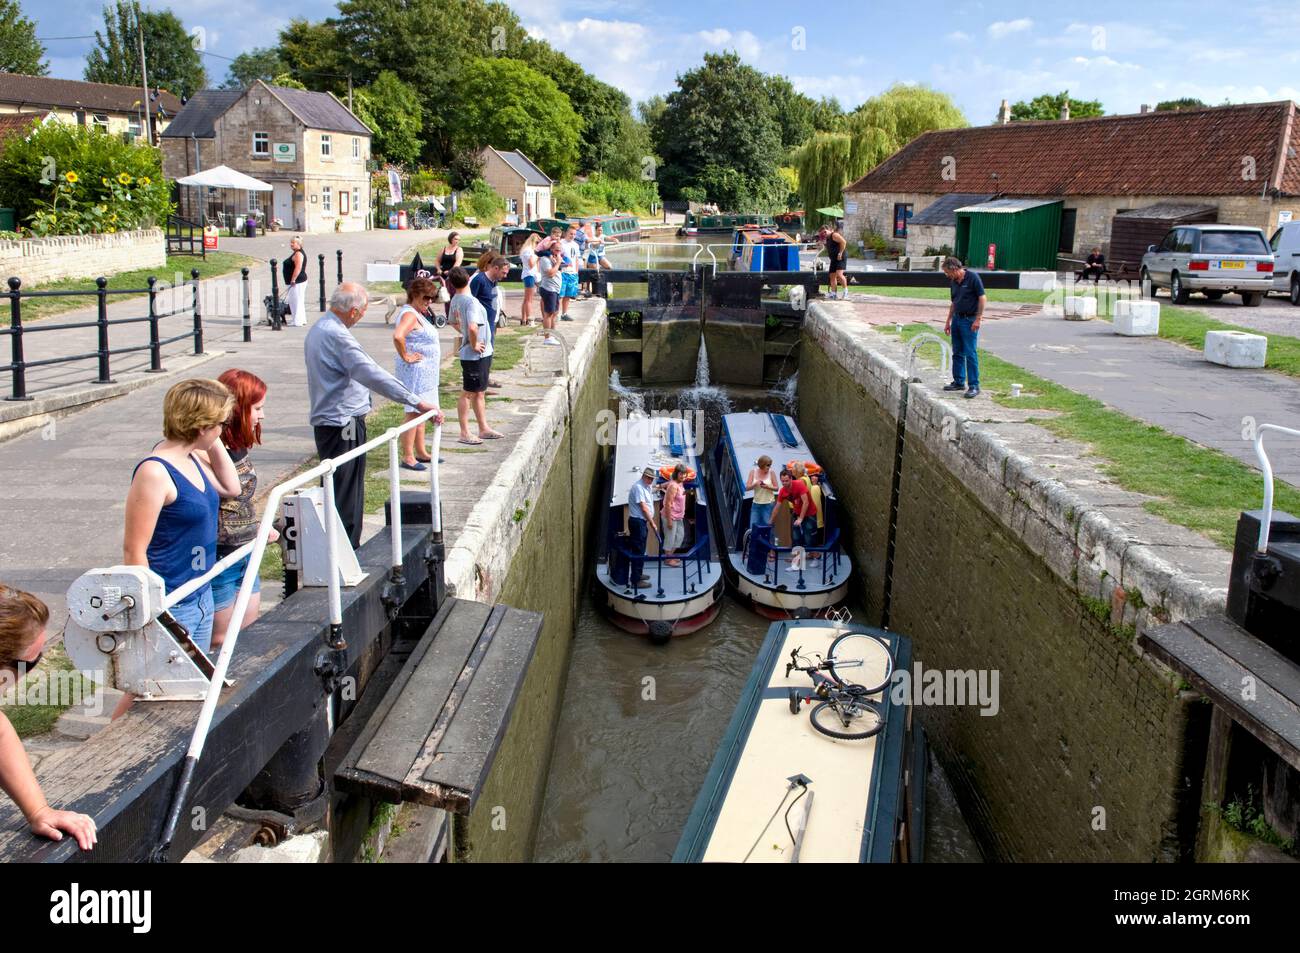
column 320, row 111
column 524, row 167
column 1188, row 152
column 36, row 91
column 17, row 124
column 200, row 114
column 1168, row 211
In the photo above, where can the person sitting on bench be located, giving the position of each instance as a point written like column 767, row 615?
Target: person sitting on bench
column 1094, row 267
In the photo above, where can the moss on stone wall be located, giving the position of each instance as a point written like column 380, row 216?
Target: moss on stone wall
column 1084, row 759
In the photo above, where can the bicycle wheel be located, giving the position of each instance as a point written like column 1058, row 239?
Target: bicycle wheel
column 849, row 720
column 866, row 660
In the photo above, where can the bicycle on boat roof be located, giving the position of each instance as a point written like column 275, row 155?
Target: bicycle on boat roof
column 844, row 708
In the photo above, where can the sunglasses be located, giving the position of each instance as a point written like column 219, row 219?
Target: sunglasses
column 24, row 666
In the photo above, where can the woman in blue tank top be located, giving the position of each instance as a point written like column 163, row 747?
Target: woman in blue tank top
column 175, row 496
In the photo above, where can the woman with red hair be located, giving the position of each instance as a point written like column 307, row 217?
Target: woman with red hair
column 238, row 520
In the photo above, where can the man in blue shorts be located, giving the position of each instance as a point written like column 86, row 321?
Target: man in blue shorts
column 571, row 258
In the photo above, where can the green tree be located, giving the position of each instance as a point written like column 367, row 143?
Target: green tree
column 264, row 64
column 718, row 131
column 391, row 109
column 20, row 51
column 1187, row 102
column 829, row 161
column 509, row 105
column 650, row 110
column 1048, row 106
column 631, row 155
column 286, row 80
column 172, row 60
column 795, row 112
column 310, row 54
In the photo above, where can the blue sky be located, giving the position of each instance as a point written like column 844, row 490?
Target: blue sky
column 1124, row 54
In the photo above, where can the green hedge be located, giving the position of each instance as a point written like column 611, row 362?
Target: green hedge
column 600, row 194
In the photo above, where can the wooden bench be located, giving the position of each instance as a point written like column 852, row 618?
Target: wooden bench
column 434, row 736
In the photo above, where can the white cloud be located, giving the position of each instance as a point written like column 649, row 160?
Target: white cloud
column 1006, row 27
column 743, row 42
column 849, row 89
column 958, row 37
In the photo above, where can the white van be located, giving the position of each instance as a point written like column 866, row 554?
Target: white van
column 1286, row 261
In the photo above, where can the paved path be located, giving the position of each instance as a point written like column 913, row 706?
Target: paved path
column 221, row 302
column 1161, row 382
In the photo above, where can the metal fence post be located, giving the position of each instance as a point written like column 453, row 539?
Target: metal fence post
column 248, row 306
column 339, row 254
column 276, row 317
column 198, row 313
column 101, row 298
column 321, row 261
column 155, row 347
column 16, row 340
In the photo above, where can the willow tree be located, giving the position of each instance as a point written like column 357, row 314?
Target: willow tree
column 830, row 161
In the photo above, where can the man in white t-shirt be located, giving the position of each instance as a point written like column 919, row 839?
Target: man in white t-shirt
column 572, row 258
column 469, row 315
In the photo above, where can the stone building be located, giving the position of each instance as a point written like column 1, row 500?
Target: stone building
column 526, row 188
column 1240, row 159
column 307, row 146
column 115, row 109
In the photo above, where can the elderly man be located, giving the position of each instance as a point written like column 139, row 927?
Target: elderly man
column 340, row 377
column 295, row 282
column 640, row 517
column 964, row 314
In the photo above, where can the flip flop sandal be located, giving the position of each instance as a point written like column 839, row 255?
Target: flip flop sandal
column 492, row 436
column 471, row 442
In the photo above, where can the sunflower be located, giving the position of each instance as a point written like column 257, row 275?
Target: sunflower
column 71, row 177
column 144, row 180
column 124, row 178
column 104, row 179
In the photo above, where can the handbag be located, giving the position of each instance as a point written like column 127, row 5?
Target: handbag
column 443, row 297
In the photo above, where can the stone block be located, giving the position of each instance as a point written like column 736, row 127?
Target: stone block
column 302, row 849
column 1038, row 280
column 1080, row 308
column 1137, row 318
column 1235, row 348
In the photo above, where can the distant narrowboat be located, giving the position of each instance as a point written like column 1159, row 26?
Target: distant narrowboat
column 508, row 239
column 791, row 222
column 788, row 786
column 721, row 223
column 621, row 225
column 669, row 600
column 763, row 248
column 759, row 563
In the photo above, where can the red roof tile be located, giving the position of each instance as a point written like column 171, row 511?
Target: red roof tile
column 17, row 124
column 1191, row 152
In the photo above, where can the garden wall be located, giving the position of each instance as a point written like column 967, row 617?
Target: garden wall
column 38, row 261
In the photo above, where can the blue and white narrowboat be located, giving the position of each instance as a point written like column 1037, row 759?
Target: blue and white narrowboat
column 773, row 577
column 781, row 790
column 679, row 598
column 755, row 248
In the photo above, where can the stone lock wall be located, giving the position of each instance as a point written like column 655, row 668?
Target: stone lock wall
column 530, row 550
column 38, row 261
column 1093, row 752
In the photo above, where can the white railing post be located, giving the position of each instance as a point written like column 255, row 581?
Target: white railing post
column 332, row 568
column 1266, row 523
column 395, row 505
column 435, row 504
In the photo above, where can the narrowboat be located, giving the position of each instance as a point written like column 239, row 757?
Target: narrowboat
column 790, row 222
column 762, row 568
column 783, row 791
column 763, row 248
column 620, row 225
column 720, row 223
column 679, row 599
column 507, row 240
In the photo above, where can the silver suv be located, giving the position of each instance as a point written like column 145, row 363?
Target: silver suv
column 1212, row 259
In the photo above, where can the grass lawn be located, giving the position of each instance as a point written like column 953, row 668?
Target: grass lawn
column 1189, row 327
column 217, row 263
column 30, row 719
column 1196, row 487
column 1012, row 295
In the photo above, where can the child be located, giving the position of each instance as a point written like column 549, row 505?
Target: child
column 549, row 284
column 571, row 256
column 475, row 359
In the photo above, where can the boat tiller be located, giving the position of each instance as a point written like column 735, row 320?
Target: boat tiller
column 119, row 635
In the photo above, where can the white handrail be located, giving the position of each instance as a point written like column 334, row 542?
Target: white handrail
column 1266, row 523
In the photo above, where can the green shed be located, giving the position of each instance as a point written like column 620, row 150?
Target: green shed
column 1026, row 233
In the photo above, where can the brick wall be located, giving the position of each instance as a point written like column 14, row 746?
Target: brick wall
column 38, row 261
column 996, row 568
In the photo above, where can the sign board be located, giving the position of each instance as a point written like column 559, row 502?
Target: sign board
column 850, row 208
column 394, row 187
column 285, row 151
column 1283, row 217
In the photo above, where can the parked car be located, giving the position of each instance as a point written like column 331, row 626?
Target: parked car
column 1212, row 259
column 1286, row 261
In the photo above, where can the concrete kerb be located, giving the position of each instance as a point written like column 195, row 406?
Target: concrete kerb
column 478, row 559
column 1087, row 550
column 21, row 416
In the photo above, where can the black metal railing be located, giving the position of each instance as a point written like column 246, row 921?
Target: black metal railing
column 698, row 558
column 185, row 237
column 17, row 332
column 829, row 559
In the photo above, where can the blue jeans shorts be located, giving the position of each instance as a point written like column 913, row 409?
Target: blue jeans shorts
column 225, row 587
column 195, row 613
column 530, row 281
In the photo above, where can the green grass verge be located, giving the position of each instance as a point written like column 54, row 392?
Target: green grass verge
column 1196, row 487
column 34, row 309
column 1188, row 327
column 30, row 720
column 1010, row 295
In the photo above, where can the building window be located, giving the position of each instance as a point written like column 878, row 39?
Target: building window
column 356, row 148
column 326, row 199
column 261, row 143
column 101, row 120
column 326, row 146
column 902, row 212
column 133, row 126
column 356, row 200
column 253, row 202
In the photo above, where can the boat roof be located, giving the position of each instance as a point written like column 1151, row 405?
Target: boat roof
column 750, row 435
column 852, row 816
column 763, row 235
column 651, row 442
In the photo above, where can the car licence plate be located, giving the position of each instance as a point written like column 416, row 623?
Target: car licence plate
column 1230, row 264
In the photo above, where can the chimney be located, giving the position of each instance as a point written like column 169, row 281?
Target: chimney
column 1004, row 114
column 1144, row 108
column 1065, row 105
